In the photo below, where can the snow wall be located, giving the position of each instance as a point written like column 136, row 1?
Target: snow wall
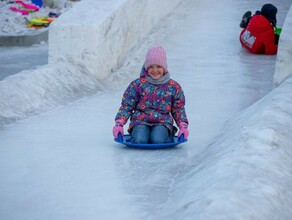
column 92, row 31
column 283, row 68
column 34, row 91
column 86, row 48
column 80, row 42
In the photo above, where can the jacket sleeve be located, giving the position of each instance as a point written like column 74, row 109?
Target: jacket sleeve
column 178, row 106
column 270, row 47
column 129, row 102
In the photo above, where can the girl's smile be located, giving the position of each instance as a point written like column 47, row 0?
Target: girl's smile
column 155, row 71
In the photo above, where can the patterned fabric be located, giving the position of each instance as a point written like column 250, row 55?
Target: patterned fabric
column 150, row 104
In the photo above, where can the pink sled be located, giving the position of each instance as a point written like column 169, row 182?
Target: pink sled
column 23, row 12
column 27, row 6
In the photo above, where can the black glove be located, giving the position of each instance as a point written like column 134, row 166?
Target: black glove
column 245, row 19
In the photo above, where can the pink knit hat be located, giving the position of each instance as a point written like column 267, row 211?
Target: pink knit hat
column 156, row 56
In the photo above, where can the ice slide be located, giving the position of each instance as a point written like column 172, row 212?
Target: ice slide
column 64, row 163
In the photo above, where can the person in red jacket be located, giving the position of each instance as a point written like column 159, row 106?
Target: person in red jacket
column 258, row 34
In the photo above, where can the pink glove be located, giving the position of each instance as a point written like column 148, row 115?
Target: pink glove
column 118, row 128
column 183, row 129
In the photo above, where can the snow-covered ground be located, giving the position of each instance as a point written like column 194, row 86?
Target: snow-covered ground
column 62, row 163
column 14, row 23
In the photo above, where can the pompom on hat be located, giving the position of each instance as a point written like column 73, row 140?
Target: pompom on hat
column 156, row 56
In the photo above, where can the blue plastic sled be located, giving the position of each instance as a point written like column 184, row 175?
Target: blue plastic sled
column 126, row 140
column 38, row 2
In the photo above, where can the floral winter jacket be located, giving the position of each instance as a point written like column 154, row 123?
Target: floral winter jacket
column 151, row 104
column 259, row 37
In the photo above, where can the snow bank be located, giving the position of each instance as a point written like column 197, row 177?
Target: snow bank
column 284, row 57
column 98, row 34
column 36, row 90
column 251, row 162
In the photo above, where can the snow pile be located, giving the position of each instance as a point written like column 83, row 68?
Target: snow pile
column 37, row 90
column 14, row 23
column 250, row 162
column 283, row 67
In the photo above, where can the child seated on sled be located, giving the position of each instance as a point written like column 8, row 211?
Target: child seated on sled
column 153, row 102
column 258, row 35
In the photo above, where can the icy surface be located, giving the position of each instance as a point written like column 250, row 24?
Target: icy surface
column 63, row 163
column 16, row 59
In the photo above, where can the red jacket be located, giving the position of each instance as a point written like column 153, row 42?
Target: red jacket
column 259, row 37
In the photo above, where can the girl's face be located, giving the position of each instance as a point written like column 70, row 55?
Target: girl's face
column 155, row 71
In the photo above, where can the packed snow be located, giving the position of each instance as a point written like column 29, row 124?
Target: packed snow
column 13, row 23
column 61, row 162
